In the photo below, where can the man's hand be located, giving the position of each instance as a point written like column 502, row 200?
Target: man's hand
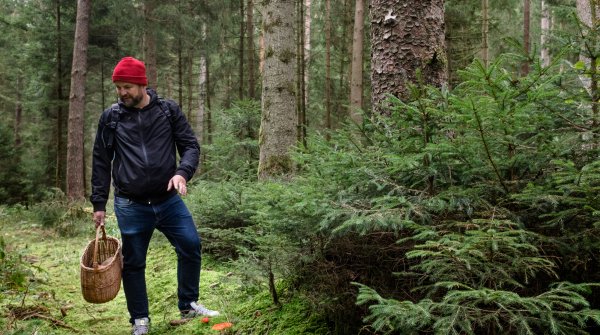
column 99, row 218
column 179, row 183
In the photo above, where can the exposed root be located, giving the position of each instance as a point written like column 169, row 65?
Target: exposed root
column 35, row 312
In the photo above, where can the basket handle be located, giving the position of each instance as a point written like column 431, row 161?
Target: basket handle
column 95, row 258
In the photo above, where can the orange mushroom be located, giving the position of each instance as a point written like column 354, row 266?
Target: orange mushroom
column 222, row 326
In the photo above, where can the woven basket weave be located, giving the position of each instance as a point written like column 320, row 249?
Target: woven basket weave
column 101, row 265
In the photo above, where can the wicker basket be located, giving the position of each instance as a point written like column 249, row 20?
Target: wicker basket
column 101, row 265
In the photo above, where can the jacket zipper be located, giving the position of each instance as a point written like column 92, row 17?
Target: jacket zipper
column 144, row 152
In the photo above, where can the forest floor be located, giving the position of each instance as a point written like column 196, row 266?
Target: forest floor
column 52, row 302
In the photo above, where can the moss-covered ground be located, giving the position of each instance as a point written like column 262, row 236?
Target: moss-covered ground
column 50, row 299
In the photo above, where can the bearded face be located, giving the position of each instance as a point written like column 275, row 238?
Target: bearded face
column 132, row 95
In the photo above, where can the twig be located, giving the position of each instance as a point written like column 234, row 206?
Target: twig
column 487, row 149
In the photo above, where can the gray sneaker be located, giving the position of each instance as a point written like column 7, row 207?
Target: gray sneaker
column 198, row 310
column 140, row 326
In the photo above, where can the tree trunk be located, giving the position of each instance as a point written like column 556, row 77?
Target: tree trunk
column 279, row 118
column 202, row 89
column 75, row 152
column 545, row 26
column 149, row 46
column 180, row 66
column 407, row 38
column 261, row 53
column 250, row 48
column 356, row 81
column 241, row 53
column 189, row 82
column 208, row 122
column 300, row 76
column 307, row 25
column 588, row 12
column 272, row 287
column 328, row 65
column 18, row 112
column 345, row 43
column 61, row 156
column 485, row 32
column 526, row 35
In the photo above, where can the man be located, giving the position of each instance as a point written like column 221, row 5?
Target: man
column 137, row 142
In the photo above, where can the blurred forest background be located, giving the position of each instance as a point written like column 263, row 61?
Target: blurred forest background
column 406, row 167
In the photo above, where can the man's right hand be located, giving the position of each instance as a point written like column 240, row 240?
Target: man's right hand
column 99, row 218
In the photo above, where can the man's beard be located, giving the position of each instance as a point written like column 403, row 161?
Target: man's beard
column 132, row 100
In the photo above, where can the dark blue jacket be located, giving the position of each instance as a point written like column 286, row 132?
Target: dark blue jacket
column 143, row 158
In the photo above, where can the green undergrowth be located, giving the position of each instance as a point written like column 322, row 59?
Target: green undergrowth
column 45, row 297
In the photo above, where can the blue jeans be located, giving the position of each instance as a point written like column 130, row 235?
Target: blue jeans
column 137, row 223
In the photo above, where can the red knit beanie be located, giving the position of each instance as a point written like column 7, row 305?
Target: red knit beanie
column 130, row 70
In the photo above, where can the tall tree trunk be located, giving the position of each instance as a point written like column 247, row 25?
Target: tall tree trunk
column 180, row 66
column 485, row 32
column 149, row 46
column 345, row 40
column 545, row 26
column 526, row 35
column 60, row 115
column 208, row 122
column 241, row 53
column 202, row 89
column 261, row 52
column 300, row 76
column 75, row 152
column 18, row 112
column 588, row 12
column 407, row 37
column 279, row 118
column 328, row 65
column 307, row 25
column 356, row 81
column 250, row 52
column 189, row 84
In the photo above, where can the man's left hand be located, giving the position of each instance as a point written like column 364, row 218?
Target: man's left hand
column 179, row 183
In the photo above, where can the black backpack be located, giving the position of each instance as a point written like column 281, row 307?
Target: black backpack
column 115, row 114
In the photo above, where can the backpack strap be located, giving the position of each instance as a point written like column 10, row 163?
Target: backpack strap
column 165, row 107
column 111, row 124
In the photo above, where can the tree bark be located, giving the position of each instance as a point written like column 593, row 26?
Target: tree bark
column 545, row 26
column 526, row 36
column 356, row 81
column 241, row 53
column 328, row 65
column 300, row 77
column 307, row 48
column 407, row 38
column 202, row 88
column 588, row 12
column 485, row 32
column 250, row 48
column 149, row 46
column 345, row 44
column 180, row 66
column 61, row 154
column 18, row 112
column 279, row 118
column 75, row 152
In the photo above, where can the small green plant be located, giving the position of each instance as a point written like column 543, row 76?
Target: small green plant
column 13, row 271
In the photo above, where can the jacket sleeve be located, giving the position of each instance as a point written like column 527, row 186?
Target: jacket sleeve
column 186, row 142
column 101, row 166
